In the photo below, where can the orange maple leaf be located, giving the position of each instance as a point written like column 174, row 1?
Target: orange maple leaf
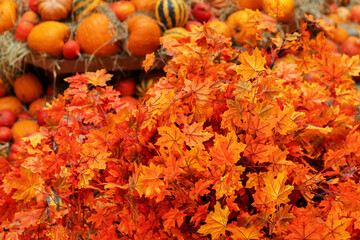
column 172, row 217
column 243, row 233
column 98, row 78
column 98, row 218
column 216, row 222
column 335, row 227
column 226, row 151
column 149, row 61
column 195, row 135
column 171, row 138
column 151, row 179
column 250, row 64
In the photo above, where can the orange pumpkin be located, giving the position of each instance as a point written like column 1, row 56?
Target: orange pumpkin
column 30, row 16
column 96, row 35
column 8, row 15
column 144, row 5
column 251, row 4
column 36, row 105
column 24, row 128
column 48, row 37
column 286, row 7
column 221, row 28
column 144, row 35
column 11, row 103
column 54, row 9
column 27, row 88
column 122, row 9
column 237, row 23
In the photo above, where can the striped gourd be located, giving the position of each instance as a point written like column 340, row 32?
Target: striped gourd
column 144, row 86
column 82, row 8
column 176, row 32
column 172, row 13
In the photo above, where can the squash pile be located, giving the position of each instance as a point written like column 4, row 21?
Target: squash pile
column 104, row 28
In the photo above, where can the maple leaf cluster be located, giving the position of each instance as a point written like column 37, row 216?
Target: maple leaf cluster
column 230, row 144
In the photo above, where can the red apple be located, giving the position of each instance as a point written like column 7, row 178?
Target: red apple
column 33, row 5
column 5, row 134
column 2, row 90
column 41, row 115
column 24, row 115
column 126, row 87
column 7, row 118
column 71, row 49
column 191, row 23
column 201, row 12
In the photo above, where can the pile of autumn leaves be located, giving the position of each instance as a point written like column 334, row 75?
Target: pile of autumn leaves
column 243, row 145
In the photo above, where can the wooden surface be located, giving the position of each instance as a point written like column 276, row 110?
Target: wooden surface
column 81, row 65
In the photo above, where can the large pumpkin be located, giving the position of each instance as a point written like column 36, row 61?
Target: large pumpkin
column 27, row 88
column 172, row 13
column 8, row 16
column 144, row 5
column 48, row 37
column 24, row 128
column 11, row 103
column 144, row 35
column 83, row 8
column 237, row 23
column 96, row 35
column 54, row 9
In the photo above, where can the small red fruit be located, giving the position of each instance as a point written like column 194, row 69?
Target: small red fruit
column 71, row 49
column 351, row 46
column 5, row 134
column 12, row 157
column 24, row 115
column 41, row 116
column 17, row 145
column 7, row 118
column 192, row 23
column 126, row 87
column 355, row 13
column 33, row 5
column 201, row 12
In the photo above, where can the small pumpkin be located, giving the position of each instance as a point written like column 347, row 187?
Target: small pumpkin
column 54, row 9
column 83, row 8
column 144, row 35
column 172, row 13
column 36, row 105
column 96, row 35
column 253, row 4
column 8, row 15
column 237, row 22
column 144, row 5
column 123, row 9
column 220, row 27
column 28, row 87
column 287, row 9
column 12, row 103
column 24, row 128
column 27, row 22
column 48, row 37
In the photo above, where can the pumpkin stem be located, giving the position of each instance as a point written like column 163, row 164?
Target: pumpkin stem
column 237, row 29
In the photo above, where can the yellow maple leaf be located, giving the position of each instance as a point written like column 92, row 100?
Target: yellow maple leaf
column 216, row 222
column 150, row 180
column 275, row 188
column 250, row 64
column 34, row 139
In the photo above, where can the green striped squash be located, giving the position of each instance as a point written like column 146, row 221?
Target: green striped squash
column 176, row 32
column 144, row 86
column 82, row 8
column 172, row 13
